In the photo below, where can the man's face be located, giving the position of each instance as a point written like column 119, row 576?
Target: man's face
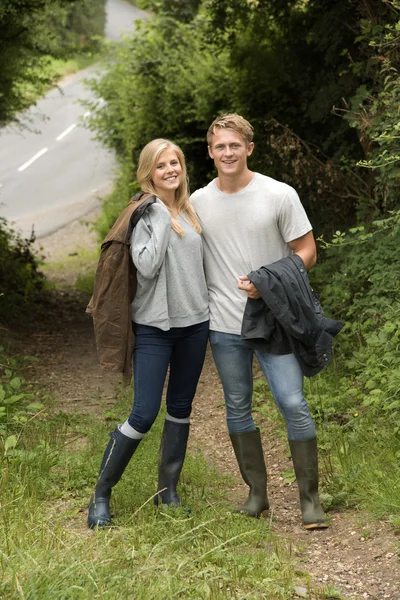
column 229, row 151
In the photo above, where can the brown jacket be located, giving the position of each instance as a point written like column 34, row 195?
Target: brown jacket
column 114, row 289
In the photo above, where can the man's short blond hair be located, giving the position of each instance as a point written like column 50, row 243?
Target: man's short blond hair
column 231, row 121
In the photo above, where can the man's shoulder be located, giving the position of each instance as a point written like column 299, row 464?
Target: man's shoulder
column 273, row 185
column 202, row 193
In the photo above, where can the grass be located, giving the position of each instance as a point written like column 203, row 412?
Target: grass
column 75, row 271
column 48, row 553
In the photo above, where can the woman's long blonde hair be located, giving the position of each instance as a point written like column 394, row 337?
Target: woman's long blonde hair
column 148, row 158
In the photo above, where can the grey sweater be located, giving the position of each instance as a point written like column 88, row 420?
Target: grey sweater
column 171, row 290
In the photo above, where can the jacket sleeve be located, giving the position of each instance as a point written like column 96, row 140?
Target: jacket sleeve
column 283, row 296
column 149, row 241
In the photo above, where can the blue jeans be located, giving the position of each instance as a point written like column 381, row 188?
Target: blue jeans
column 234, row 362
column 183, row 350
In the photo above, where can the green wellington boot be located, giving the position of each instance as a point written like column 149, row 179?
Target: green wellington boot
column 305, row 462
column 116, row 457
column 170, row 462
column 250, row 457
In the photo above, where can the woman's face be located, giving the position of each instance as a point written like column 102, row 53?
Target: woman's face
column 167, row 173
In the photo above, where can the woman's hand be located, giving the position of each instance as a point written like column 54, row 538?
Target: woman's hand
column 246, row 285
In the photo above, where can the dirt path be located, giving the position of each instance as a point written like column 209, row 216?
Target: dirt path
column 358, row 556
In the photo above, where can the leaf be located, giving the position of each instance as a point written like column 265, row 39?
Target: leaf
column 13, row 399
column 288, row 476
column 10, row 442
column 15, row 383
column 370, row 384
column 35, row 406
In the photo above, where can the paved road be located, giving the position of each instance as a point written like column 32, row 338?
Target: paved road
column 55, row 172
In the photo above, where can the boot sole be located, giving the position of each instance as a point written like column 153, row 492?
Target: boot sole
column 311, row 526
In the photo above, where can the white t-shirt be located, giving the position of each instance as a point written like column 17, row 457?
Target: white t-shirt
column 242, row 232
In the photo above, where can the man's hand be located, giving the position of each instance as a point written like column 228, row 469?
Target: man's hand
column 246, row 285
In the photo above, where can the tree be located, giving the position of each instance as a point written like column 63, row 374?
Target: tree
column 30, row 33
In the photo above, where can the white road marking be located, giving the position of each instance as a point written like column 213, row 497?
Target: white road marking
column 29, row 162
column 66, row 132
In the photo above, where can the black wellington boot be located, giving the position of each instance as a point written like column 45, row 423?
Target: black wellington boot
column 305, row 462
column 250, row 457
column 116, row 457
column 170, row 462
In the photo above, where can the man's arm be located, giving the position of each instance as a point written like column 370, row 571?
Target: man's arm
column 305, row 247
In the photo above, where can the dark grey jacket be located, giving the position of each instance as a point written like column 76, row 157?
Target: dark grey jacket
column 288, row 318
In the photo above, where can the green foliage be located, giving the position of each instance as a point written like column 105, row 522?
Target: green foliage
column 17, row 406
column 24, row 46
column 33, row 31
column 78, row 27
column 362, row 275
column 374, row 108
column 181, row 11
column 160, row 83
column 363, row 267
column 143, row 4
column 20, row 278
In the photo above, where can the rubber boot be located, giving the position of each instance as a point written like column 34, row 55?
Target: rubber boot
column 115, row 460
column 170, row 462
column 250, row 457
column 305, row 462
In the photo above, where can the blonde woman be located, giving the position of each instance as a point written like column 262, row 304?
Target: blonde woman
column 170, row 320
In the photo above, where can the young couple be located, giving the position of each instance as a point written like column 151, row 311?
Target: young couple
column 192, row 260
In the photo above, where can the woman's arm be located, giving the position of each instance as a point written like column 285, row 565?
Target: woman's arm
column 149, row 241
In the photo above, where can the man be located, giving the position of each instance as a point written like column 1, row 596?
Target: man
column 249, row 220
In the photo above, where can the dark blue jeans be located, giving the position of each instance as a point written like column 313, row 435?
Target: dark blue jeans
column 183, row 350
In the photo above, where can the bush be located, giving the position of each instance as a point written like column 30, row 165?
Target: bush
column 17, row 405
column 20, row 278
column 360, row 283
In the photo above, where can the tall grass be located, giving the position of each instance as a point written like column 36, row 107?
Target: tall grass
column 46, row 551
